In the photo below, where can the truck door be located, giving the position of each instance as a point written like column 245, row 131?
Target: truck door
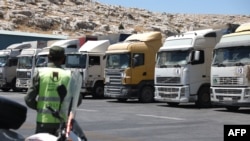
column 11, row 69
column 94, row 69
column 139, row 71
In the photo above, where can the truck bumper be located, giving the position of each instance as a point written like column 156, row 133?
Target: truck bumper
column 173, row 94
column 230, row 96
column 23, row 83
column 120, row 92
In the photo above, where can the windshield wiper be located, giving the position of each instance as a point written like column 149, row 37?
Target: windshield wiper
column 163, row 66
column 177, row 66
column 239, row 64
column 219, row 64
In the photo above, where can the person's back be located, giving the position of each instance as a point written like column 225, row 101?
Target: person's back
column 43, row 91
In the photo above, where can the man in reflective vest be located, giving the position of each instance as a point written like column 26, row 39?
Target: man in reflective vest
column 43, row 91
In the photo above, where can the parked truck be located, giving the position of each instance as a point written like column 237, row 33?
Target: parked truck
column 90, row 62
column 230, row 70
column 182, row 72
column 70, row 45
column 8, row 64
column 129, row 72
column 26, row 64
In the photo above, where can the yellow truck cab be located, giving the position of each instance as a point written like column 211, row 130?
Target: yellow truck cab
column 129, row 72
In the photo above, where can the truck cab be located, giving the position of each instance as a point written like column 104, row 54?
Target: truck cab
column 70, row 45
column 25, row 67
column 129, row 72
column 8, row 65
column 90, row 62
column 182, row 72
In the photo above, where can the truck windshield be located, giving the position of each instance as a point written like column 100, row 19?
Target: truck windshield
column 75, row 61
column 3, row 60
column 42, row 61
column 232, row 56
column 172, row 58
column 25, row 62
column 118, row 61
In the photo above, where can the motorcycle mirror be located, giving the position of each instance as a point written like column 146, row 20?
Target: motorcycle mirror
column 62, row 91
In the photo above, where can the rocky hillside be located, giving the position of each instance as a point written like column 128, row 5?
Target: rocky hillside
column 89, row 17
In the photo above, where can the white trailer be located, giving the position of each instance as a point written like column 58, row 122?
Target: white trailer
column 182, row 72
column 230, row 70
column 90, row 62
column 8, row 64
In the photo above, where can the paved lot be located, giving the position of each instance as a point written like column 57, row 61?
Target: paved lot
column 109, row 120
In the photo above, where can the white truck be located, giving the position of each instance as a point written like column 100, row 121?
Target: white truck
column 8, row 64
column 70, row 45
column 90, row 62
column 230, row 70
column 26, row 64
column 182, row 72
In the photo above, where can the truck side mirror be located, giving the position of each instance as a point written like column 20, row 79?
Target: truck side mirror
column 196, row 55
column 91, row 62
column 134, row 62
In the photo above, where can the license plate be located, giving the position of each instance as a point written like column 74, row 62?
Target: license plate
column 227, row 98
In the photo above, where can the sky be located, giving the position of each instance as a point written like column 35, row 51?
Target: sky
column 228, row 7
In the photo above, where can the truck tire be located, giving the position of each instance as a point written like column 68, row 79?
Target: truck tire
column 5, row 89
column 146, row 95
column 98, row 91
column 204, row 100
column 13, row 86
column 12, row 114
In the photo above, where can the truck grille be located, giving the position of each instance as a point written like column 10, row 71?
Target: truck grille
column 228, row 91
column 168, row 79
column 22, row 74
column 227, row 80
column 115, row 79
column 168, row 92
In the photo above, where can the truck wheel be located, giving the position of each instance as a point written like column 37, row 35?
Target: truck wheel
column 232, row 108
column 204, row 100
column 98, row 91
column 13, row 86
column 5, row 89
column 147, row 95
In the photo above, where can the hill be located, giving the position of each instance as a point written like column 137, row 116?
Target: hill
column 88, row 17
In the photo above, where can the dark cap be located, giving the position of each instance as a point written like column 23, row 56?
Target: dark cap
column 56, row 52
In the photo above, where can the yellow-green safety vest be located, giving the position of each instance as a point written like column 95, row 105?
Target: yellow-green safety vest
column 49, row 80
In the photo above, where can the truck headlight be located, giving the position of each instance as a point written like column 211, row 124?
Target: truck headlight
column 123, row 74
column 124, row 91
column 211, row 93
column 247, row 92
column 182, row 91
